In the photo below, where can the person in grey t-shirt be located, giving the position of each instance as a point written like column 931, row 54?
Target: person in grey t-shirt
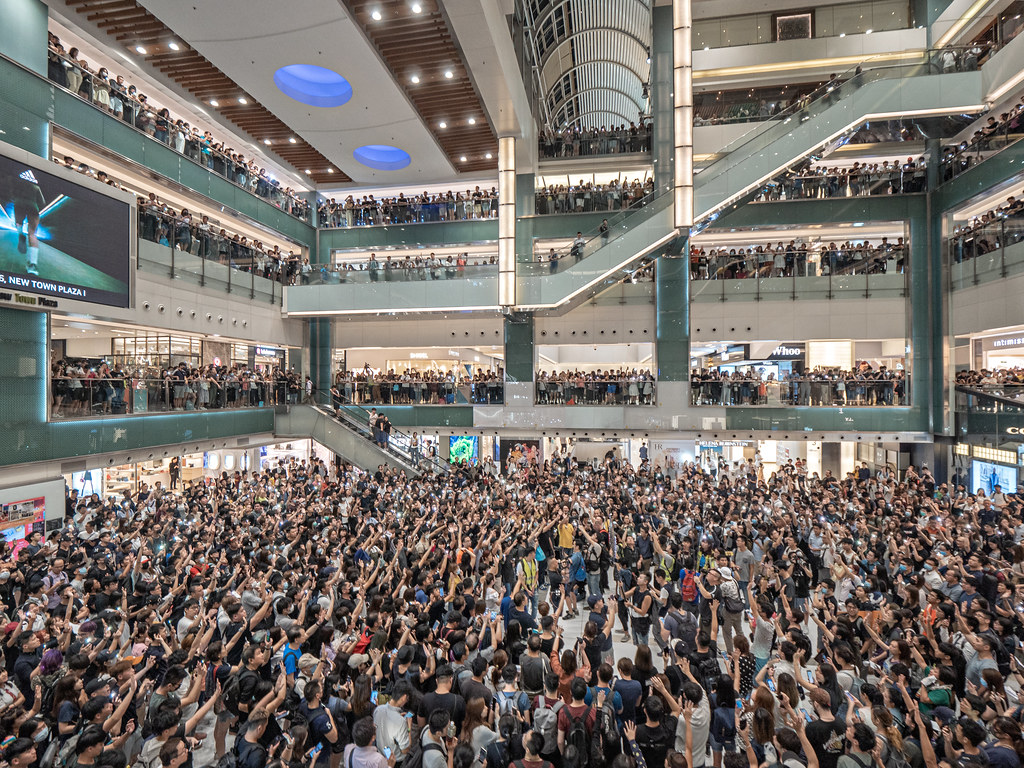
column 746, row 567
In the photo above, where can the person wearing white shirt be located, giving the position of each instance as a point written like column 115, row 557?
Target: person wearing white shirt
column 700, row 723
column 392, row 724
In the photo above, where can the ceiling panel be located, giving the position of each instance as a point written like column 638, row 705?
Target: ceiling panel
column 132, row 26
column 249, row 40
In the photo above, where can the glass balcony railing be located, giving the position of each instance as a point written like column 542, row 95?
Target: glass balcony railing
column 121, row 101
column 421, row 392
column 406, row 210
column 836, row 391
column 825, row 184
column 963, row 157
column 590, row 198
column 993, row 398
column 76, row 398
column 594, row 239
column 988, row 251
column 394, row 272
column 552, row 144
column 169, row 245
column 626, row 390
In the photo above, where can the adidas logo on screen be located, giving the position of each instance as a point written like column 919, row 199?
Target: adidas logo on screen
column 28, row 176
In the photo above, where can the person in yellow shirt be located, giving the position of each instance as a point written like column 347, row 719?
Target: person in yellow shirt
column 566, row 534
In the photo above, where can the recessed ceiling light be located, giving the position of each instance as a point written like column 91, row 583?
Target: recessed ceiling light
column 309, row 172
column 449, row 74
column 140, row 49
column 442, row 124
column 376, row 16
column 291, row 140
column 462, row 159
column 417, row 8
column 267, row 142
column 488, row 155
column 174, row 46
column 415, row 79
column 214, row 103
column 242, row 100
column 330, row 170
column 472, row 121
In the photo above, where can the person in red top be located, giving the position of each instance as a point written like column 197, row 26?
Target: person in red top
column 576, row 709
column 533, row 742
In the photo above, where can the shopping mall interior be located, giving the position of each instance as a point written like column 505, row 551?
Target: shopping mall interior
column 688, row 231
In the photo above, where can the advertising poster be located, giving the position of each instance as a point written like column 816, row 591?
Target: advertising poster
column 61, row 239
column 463, row 448
column 19, row 518
column 528, row 451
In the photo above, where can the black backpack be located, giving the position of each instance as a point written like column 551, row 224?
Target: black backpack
column 578, row 742
column 415, row 759
column 233, row 689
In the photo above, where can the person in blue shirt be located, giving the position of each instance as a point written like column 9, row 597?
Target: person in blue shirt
column 578, row 574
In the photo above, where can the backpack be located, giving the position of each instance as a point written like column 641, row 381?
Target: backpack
column 290, row 653
column 415, row 759
column 67, row 754
column 688, row 586
column 578, row 742
column 545, row 722
column 708, row 672
column 892, row 757
column 508, row 704
column 684, row 629
column 532, row 671
column 231, row 694
column 606, row 732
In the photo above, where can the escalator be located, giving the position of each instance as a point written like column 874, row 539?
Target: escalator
column 995, row 411
column 824, row 123
column 348, row 435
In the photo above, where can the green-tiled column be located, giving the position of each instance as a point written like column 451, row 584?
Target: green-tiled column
column 526, row 207
column 519, row 348
column 673, row 317
column 321, row 350
column 663, row 141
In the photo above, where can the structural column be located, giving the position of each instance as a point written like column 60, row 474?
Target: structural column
column 507, row 221
column 682, row 111
column 321, row 349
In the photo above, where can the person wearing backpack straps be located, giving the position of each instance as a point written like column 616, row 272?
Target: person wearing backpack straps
column 576, row 727
column 545, row 716
column 863, row 748
column 362, row 752
column 532, row 743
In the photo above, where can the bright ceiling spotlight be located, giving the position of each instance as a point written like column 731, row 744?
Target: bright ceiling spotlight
column 376, row 15
column 174, row 46
column 242, row 100
column 448, row 74
column 417, row 8
column 415, row 79
column 442, row 124
column 267, row 142
column 214, row 103
column 140, row 49
column 291, row 140
column 462, row 159
column 472, row 121
column 488, row 155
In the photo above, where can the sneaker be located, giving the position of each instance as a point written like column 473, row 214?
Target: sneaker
column 32, row 269
column 22, row 243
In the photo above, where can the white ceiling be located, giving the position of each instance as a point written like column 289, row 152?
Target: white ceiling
column 249, row 40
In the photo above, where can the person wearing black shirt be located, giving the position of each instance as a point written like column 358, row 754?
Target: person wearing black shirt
column 443, row 699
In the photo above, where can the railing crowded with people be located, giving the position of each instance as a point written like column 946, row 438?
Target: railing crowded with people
column 388, row 270
column 124, row 102
column 995, row 134
column 825, row 387
column 81, row 390
column 413, row 209
column 619, row 387
column 586, row 197
column 413, row 387
column 988, row 247
column 592, row 142
column 807, row 182
column 794, row 259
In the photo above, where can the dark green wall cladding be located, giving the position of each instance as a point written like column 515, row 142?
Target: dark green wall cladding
column 29, row 437
column 407, row 235
column 410, row 417
column 802, row 420
column 519, row 348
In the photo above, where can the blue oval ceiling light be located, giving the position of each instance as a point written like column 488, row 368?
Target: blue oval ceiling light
column 313, row 85
column 382, row 157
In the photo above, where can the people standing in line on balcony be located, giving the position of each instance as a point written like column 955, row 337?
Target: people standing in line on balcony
column 864, row 386
column 797, row 260
column 618, row 387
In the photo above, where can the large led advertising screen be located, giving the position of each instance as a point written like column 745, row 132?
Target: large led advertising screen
column 62, row 239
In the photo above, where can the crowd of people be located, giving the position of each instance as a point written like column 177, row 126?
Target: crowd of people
column 991, row 377
column 369, row 386
column 586, row 196
column 161, row 223
column 315, row 615
column 600, row 387
column 865, row 385
column 794, row 259
column 123, row 100
column 80, row 388
column 812, row 182
column 574, row 141
column 995, row 133
column 428, row 267
column 413, row 209
column 993, row 230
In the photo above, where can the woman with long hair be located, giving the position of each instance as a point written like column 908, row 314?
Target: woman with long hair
column 1008, row 749
column 476, row 727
